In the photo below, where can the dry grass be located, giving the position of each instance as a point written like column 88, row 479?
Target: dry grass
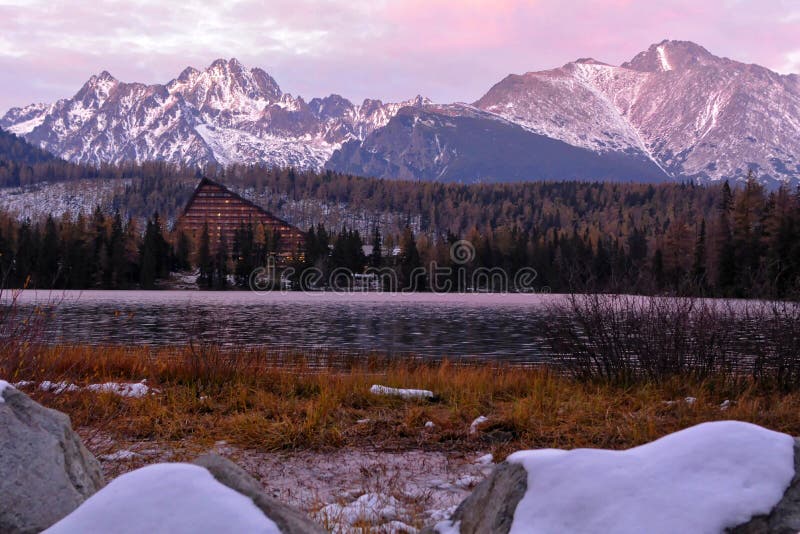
column 258, row 400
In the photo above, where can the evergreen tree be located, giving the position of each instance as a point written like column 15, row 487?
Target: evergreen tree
column 221, row 264
column 116, row 274
column 182, row 252
column 243, row 255
column 49, row 255
column 376, row 256
column 699, row 261
column 26, row 254
column 409, row 261
column 205, row 262
column 148, row 257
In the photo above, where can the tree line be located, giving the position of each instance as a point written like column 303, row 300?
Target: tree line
column 708, row 241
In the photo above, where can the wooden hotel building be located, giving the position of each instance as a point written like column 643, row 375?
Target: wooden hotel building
column 225, row 212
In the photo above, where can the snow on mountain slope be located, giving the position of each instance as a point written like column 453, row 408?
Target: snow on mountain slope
column 59, row 198
column 694, row 114
column 225, row 113
column 675, row 111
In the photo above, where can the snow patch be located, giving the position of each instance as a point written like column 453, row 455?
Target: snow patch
column 662, row 57
column 486, row 459
column 372, row 508
column 706, row 478
column 176, row 498
column 26, row 127
column 118, row 456
column 122, row 389
column 473, row 427
column 3, row 386
column 58, row 387
column 404, row 393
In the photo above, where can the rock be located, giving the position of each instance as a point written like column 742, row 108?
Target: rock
column 289, row 520
column 492, row 505
column 490, row 508
column 45, row 471
column 785, row 516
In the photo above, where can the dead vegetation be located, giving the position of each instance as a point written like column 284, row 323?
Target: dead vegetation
column 269, row 402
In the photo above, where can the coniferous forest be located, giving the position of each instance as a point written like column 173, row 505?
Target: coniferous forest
column 713, row 240
column 673, row 238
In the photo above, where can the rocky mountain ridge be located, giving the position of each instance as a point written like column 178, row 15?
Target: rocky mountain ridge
column 673, row 112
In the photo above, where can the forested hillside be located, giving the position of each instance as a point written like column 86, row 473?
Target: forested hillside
column 667, row 238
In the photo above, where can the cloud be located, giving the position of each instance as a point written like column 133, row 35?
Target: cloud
column 391, row 49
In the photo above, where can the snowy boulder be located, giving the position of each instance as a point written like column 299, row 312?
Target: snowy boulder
column 172, row 497
column 212, row 496
column 490, row 507
column 714, row 477
column 403, row 393
column 45, row 471
column 785, row 516
column 288, row 520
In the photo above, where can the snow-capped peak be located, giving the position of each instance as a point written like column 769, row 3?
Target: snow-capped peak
column 224, row 113
column 672, row 55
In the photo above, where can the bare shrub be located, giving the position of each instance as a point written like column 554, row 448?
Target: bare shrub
column 623, row 338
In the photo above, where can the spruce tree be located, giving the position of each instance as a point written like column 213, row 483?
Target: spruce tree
column 205, row 262
column 376, row 256
column 409, row 261
column 699, row 261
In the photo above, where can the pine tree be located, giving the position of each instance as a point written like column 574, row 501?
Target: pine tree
column 221, row 264
column 182, row 251
column 243, row 255
column 376, row 256
column 148, row 257
column 26, row 255
column 699, row 261
column 116, row 276
column 49, row 255
column 409, row 261
column 204, row 260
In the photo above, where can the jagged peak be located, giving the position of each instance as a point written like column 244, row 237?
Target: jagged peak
column 188, row 73
column 590, row 61
column 419, row 101
column 106, row 76
column 103, row 78
column 671, row 55
column 97, row 87
column 225, row 63
column 255, row 82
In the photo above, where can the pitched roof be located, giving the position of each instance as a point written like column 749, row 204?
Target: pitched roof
column 208, row 181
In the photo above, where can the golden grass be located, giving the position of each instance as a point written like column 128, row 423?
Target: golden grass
column 267, row 401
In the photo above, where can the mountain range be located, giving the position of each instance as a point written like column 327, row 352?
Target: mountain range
column 673, row 112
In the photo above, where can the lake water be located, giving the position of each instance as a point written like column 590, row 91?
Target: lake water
column 506, row 326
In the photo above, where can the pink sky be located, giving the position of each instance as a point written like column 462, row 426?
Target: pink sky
column 446, row 50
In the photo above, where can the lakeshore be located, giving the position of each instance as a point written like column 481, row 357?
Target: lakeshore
column 315, row 435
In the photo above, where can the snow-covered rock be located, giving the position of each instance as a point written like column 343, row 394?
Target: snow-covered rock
column 123, row 389
column 473, row 426
column 176, row 498
column 401, row 392
column 706, row 479
column 288, row 520
column 45, row 471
